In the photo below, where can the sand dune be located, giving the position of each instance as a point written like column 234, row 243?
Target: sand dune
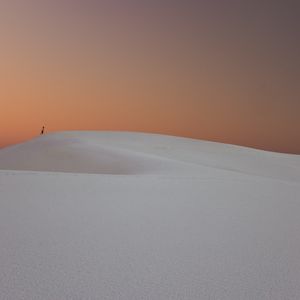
column 80, row 154
column 137, row 153
column 110, row 215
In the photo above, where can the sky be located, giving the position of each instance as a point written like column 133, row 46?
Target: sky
column 226, row 71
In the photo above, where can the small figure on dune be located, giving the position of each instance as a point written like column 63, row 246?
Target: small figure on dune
column 43, row 130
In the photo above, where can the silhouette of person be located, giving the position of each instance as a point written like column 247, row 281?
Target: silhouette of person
column 43, row 130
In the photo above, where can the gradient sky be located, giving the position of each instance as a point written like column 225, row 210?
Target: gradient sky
column 226, row 71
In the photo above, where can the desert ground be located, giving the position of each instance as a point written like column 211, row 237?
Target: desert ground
column 121, row 215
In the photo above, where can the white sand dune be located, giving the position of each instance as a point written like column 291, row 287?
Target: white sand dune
column 108, row 215
column 137, row 153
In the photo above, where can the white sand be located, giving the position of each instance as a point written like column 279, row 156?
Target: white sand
column 157, row 217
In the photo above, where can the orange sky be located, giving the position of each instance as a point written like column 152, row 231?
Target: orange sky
column 223, row 72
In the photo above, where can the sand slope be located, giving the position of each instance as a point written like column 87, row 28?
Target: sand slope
column 157, row 217
column 137, row 153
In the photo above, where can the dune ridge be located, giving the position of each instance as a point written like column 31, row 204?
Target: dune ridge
column 137, row 153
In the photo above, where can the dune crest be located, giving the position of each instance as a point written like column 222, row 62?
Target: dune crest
column 126, row 153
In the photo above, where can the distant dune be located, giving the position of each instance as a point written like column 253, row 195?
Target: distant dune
column 120, row 215
column 138, row 153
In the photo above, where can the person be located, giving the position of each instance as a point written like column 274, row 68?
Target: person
column 43, row 130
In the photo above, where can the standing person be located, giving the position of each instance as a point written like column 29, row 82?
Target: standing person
column 43, row 130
